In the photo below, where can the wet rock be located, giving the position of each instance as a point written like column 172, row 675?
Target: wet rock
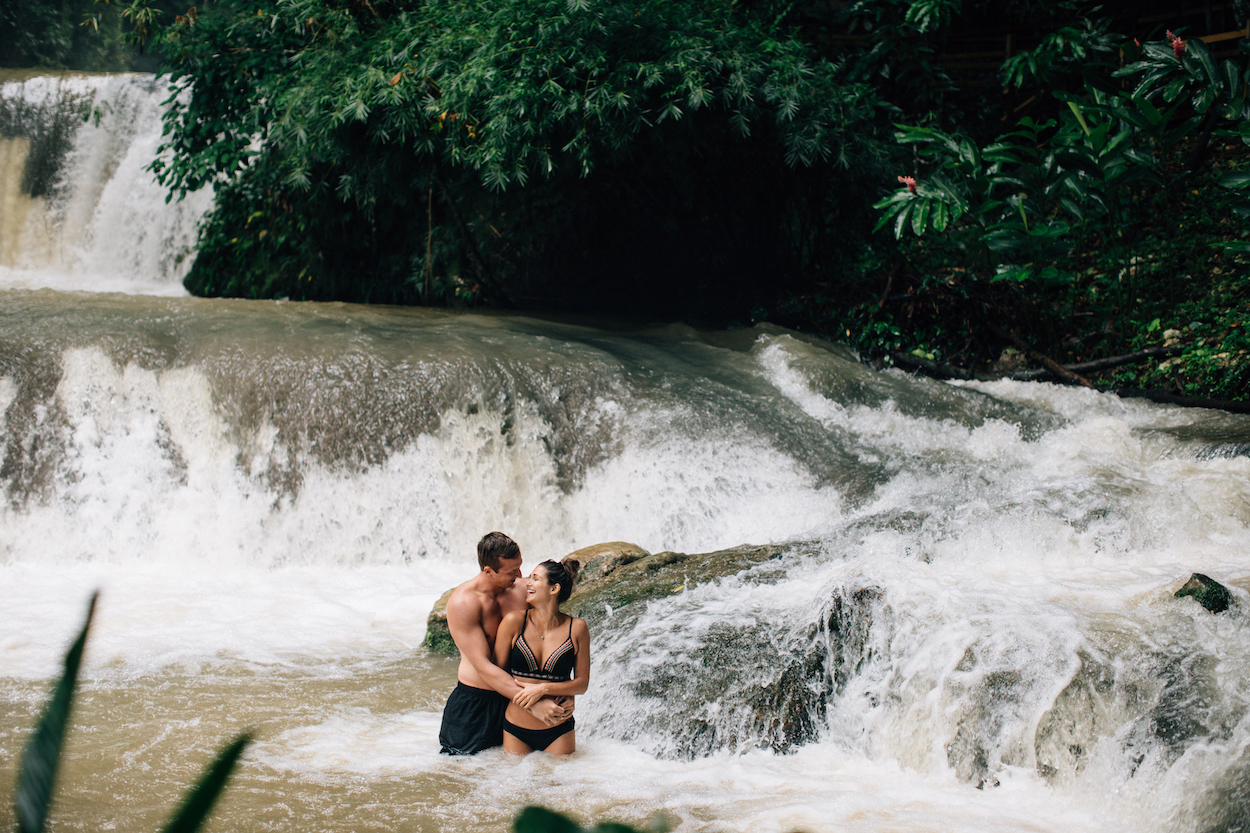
column 659, row 575
column 601, row 561
column 1145, row 701
column 1079, row 716
column 847, row 626
column 741, row 687
column 982, row 742
column 1223, row 802
column 1207, row 592
column 741, row 683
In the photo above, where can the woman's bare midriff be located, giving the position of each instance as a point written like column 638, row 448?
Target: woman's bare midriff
column 518, row 716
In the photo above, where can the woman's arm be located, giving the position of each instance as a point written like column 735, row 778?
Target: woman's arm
column 509, row 628
column 581, row 679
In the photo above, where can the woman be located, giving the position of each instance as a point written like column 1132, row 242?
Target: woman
column 548, row 653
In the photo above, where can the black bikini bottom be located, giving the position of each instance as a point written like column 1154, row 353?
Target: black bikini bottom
column 538, row 739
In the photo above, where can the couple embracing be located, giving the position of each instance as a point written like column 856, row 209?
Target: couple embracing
column 521, row 659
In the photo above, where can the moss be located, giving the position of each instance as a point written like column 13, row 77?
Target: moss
column 437, row 634
column 438, row 639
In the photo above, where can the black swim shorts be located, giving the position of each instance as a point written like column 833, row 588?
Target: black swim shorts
column 472, row 720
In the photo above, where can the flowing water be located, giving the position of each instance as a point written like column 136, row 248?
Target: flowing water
column 971, row 625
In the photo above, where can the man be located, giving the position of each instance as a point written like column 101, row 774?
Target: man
column 473, row 716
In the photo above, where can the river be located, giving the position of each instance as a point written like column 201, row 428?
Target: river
column 976, row 591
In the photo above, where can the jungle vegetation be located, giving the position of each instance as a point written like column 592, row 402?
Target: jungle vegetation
column 1046, row 189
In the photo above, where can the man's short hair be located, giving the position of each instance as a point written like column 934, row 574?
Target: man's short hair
column 495, row 547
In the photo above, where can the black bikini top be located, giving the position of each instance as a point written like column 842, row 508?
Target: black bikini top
column 559, row 665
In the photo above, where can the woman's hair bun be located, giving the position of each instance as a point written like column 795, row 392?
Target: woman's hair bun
column 573, row 567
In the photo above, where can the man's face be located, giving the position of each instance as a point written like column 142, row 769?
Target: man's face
column 509, row 571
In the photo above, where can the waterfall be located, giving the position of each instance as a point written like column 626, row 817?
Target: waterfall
column 78, row 208
column 957, row 613
column 965, row 582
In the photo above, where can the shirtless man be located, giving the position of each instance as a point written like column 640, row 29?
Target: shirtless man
column 473, row 716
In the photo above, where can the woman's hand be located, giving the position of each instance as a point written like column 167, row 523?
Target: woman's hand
column 530, row 694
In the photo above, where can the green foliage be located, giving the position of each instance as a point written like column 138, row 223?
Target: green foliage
column 397, row 151
column 92, row 35
column 41, row 35
column 1083, row 49
column 1069, row 216
column 36, row 782
column 198, row 803
column 899, row 54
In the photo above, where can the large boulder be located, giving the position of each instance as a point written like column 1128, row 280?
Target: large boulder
column 601, row 560
column 598, row 563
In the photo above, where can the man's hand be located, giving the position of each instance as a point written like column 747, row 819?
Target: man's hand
column 530, row 694
column 550, row 712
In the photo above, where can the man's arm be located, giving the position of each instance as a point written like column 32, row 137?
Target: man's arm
column 464, row 620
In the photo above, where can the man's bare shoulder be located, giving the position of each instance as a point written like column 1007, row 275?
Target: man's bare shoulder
column 466, row 599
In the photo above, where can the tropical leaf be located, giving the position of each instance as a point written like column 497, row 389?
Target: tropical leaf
column 920, row 216
column 199, row 802
column 542, row 820
column 900, row 222
column 36, row 782
column 1235, row 181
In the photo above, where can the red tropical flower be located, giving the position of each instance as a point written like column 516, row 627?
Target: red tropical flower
column 1178, row 45
column 910, row 182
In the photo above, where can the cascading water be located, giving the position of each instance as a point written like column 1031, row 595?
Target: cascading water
column 78, row 209
column 970, row 586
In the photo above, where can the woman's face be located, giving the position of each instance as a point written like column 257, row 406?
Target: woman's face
column 537, row 583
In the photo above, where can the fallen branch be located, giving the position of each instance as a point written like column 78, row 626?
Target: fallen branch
column 1050, row 364
column 1101, row 364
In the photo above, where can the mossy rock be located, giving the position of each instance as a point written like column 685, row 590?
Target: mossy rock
column 1207, row 592
column 602, row 560
column 598, row 562
column 437, row 635
column 662, row 574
